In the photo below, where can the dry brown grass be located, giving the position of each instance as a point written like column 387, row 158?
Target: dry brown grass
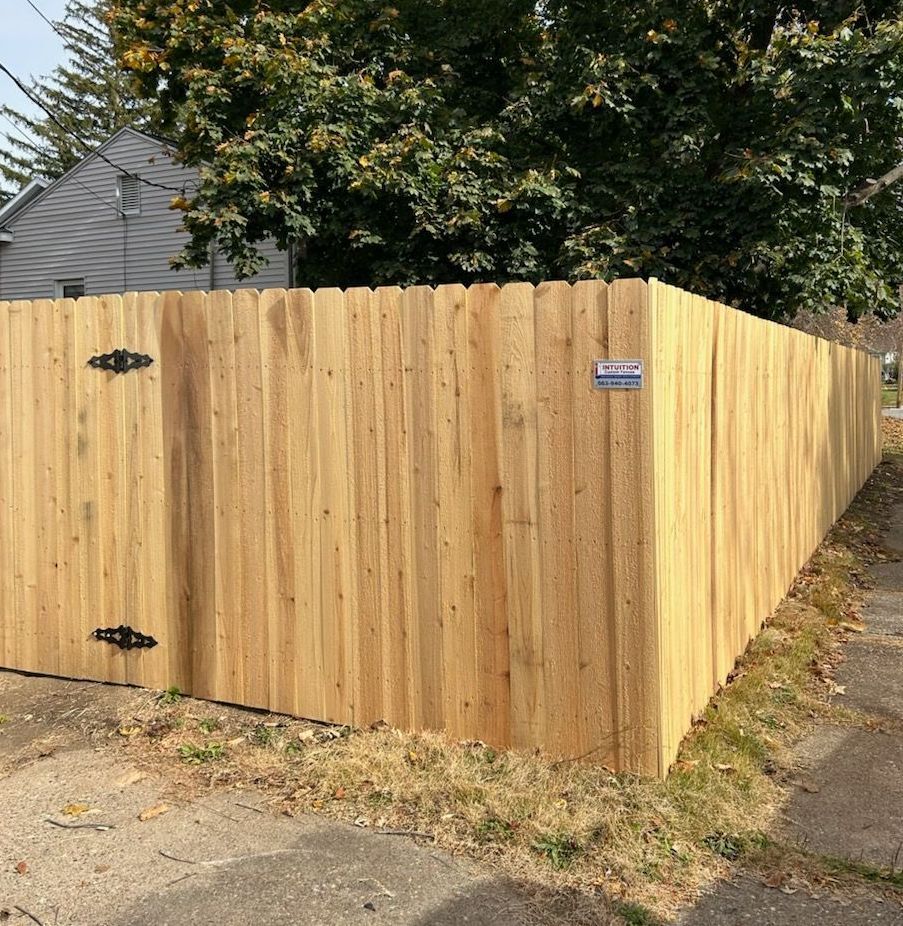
column 563, row 826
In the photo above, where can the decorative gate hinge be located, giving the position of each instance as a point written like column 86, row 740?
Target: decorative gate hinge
column 120, row 361
column 124, row 637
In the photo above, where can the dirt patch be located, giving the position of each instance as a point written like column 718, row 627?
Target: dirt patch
column 41, row 716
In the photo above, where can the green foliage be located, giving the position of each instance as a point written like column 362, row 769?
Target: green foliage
column 733, row 845
column 89, row 94
column 705, row 142
column 262, row 735
column 634, row 914
column 559, row 848
column 192, row 754
column 493, row 829
column 171, row 696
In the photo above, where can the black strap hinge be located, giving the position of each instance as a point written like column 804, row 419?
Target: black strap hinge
column 120, row 361
column 124, row 637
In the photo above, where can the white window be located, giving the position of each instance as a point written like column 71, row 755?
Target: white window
column 128, row 191
column 69, row 289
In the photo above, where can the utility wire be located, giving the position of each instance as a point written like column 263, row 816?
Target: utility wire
column 47, row 20
column 74, row 180
column 88, row 147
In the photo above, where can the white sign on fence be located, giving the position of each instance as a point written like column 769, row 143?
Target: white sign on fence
column 618, row 374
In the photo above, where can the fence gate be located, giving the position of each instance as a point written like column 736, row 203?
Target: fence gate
column 82, row 491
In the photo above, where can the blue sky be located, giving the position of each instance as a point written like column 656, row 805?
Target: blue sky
column 28, row 46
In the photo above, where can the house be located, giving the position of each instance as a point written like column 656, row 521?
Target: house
column 100, row 228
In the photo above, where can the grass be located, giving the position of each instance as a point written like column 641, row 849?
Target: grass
column 889, row 396
column 572, row 828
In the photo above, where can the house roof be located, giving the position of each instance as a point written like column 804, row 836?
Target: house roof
column 47, row 186
column 28, row 192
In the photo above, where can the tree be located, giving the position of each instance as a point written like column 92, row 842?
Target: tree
column 89, row 94
column 714, row 147
column 711, row 143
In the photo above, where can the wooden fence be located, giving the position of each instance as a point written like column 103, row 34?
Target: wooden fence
column 414, row 506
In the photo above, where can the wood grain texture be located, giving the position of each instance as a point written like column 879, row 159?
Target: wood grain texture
column 413, row 506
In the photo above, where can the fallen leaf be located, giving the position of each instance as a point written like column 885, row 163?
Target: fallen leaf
column 721, row 767
column 22, row 868
column 339, row 793
column 101, row 869
column 152, row 812
column 75, row 810
column 128, row 731
column 775, row 685
column 775, row 879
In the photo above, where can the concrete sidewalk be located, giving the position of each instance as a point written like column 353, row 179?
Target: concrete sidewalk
column 849, row 802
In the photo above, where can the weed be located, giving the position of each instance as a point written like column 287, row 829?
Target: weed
column 733, row 845
column 262, row 735
column 197, row 755
column 559, row 848
column 171, row 696
column 494, row 830
column 635, row 914
column 208, row 725
column 727, row 845
column 3, row 719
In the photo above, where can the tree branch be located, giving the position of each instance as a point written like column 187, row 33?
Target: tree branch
column 872, row 187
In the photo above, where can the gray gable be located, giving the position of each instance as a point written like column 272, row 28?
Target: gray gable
column 74, row 229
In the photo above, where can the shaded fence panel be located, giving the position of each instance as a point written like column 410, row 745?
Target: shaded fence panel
column 413, row 505
column 763, row 435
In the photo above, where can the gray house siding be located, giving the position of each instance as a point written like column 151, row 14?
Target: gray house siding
column 74, row 230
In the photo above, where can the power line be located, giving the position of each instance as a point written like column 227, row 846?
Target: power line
column 74, row 180
column 47, row 20
column 88, row 147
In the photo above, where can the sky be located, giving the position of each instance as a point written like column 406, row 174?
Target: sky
column 28, row 46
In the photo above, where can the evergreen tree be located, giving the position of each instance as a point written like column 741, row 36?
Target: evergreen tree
column 88, row 94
